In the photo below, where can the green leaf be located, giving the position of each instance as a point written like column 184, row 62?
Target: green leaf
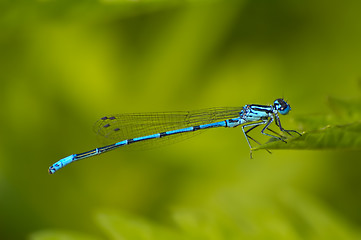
column 347, row 137
column 340, row 129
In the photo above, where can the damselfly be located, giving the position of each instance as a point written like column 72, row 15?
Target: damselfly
column 148, row 128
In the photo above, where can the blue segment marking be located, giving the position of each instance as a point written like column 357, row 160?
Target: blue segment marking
column 137, row 127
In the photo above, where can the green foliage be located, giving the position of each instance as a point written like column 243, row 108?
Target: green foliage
column 296, row 216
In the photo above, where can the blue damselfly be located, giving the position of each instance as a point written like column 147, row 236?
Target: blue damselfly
column 155, row 128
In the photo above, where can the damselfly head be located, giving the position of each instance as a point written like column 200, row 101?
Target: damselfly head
column 282, row 106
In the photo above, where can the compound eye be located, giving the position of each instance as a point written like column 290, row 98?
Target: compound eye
column 284, row 109
column 282, row 106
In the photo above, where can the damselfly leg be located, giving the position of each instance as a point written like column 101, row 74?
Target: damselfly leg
column 268, row 122
column 253, row 126
column 278, row 123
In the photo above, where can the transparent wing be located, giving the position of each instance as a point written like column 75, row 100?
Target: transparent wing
column 120, row 127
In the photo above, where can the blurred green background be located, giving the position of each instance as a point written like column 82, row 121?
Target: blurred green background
column 65, row 64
